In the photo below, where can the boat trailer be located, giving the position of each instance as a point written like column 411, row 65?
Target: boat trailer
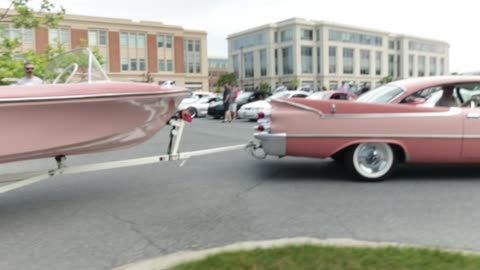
column 14, row 181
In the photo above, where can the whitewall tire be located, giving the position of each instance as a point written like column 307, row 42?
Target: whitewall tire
column 371, row 161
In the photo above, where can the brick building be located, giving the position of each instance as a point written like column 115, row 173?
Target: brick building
column 131, row 50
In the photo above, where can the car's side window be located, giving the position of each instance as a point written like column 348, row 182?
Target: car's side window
column 468, row 93
column 299, row 96
column 423, row 96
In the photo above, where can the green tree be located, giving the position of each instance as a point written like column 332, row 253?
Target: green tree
column 265, row 86
column 294, row 83
column 19, row 14
column 387, row 79
column 227, row 77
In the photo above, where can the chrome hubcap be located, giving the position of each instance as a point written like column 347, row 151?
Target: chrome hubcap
column 373, row 160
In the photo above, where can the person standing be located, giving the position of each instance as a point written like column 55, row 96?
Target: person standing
column 233, row 100
column 227, row 95
column 30, row 78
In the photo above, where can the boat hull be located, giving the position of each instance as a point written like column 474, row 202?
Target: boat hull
column 80, row 124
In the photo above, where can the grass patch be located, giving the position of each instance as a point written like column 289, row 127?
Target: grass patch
column 336, row 258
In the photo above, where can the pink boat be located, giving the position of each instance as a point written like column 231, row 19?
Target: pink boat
column 80, row 112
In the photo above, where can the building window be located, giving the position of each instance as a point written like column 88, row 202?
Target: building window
column 169, row 42
column 318, row 34
column 141, row 64
column 124, row 62
column 197, row 45
column 307, row 60
column 160, row 41
column 236, row 66
column 287, row 54
column 59, row 36
column 411, row 64
column 133, row 50
column 426, row 47
column 250, row 41
column 421, row 66
column 124, row 40
column 161, row 65
column 364, row 62
column 350, row 37
column 391, row 65
column 332, row 60
column 132, row 41
column 24, row 35
column 318, row 60
column 347, row 61
column 391, row 44
column 249, row 69
column 263, row 62
column 306, row 34
column 141, row 40
column 442, row 66
column 192, row 56
column 170, row 65
column 378, row 63
column 133, row 64
column 399, row 69
column 286, row 35
column 92, row 38
column 102, row 38
column 276, row 61
column 275, row 37
column 433, row 66
column 97, row 38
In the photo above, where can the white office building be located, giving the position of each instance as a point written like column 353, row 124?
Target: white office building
column 329, row 55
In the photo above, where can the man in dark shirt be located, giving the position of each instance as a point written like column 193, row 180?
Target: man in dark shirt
column 227, row 94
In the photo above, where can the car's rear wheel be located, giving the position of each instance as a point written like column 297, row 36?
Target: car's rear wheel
column 192, row 111
column 371, row 161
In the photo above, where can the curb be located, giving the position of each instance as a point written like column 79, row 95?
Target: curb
column 168, row 261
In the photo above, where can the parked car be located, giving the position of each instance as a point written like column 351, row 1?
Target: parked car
column 375, row 134
column 332, row 94
column 217, row 110
column 250, row 111
column 199, row 107
column 195, row 96
column 283, row 88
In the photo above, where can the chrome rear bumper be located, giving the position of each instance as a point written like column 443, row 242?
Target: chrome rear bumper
column 272, row 144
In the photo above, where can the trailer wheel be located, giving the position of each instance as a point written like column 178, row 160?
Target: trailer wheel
column 371, row 161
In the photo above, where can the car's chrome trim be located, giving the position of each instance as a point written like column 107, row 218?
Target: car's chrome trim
column 382, row 136
column 301, row 106
column 273, row 144
column 80, row 97
column 451, row 112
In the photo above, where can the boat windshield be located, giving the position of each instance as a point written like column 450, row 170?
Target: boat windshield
column 76, row 66
column 383, row 94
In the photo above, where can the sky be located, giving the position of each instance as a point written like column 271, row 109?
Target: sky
column 452, row 21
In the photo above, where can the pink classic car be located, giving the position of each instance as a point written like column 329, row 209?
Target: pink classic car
column 375, row 133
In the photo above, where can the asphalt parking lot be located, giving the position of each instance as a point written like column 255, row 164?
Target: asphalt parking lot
column 110, row 218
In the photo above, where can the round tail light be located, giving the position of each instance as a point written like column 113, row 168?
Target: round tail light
column 261, row 115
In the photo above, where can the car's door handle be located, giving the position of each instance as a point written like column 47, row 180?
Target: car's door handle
column 473, row 115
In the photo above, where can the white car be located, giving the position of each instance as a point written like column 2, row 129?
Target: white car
column 199, row 107
column 250, row 111
column 283, row 88
column 194, row 97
